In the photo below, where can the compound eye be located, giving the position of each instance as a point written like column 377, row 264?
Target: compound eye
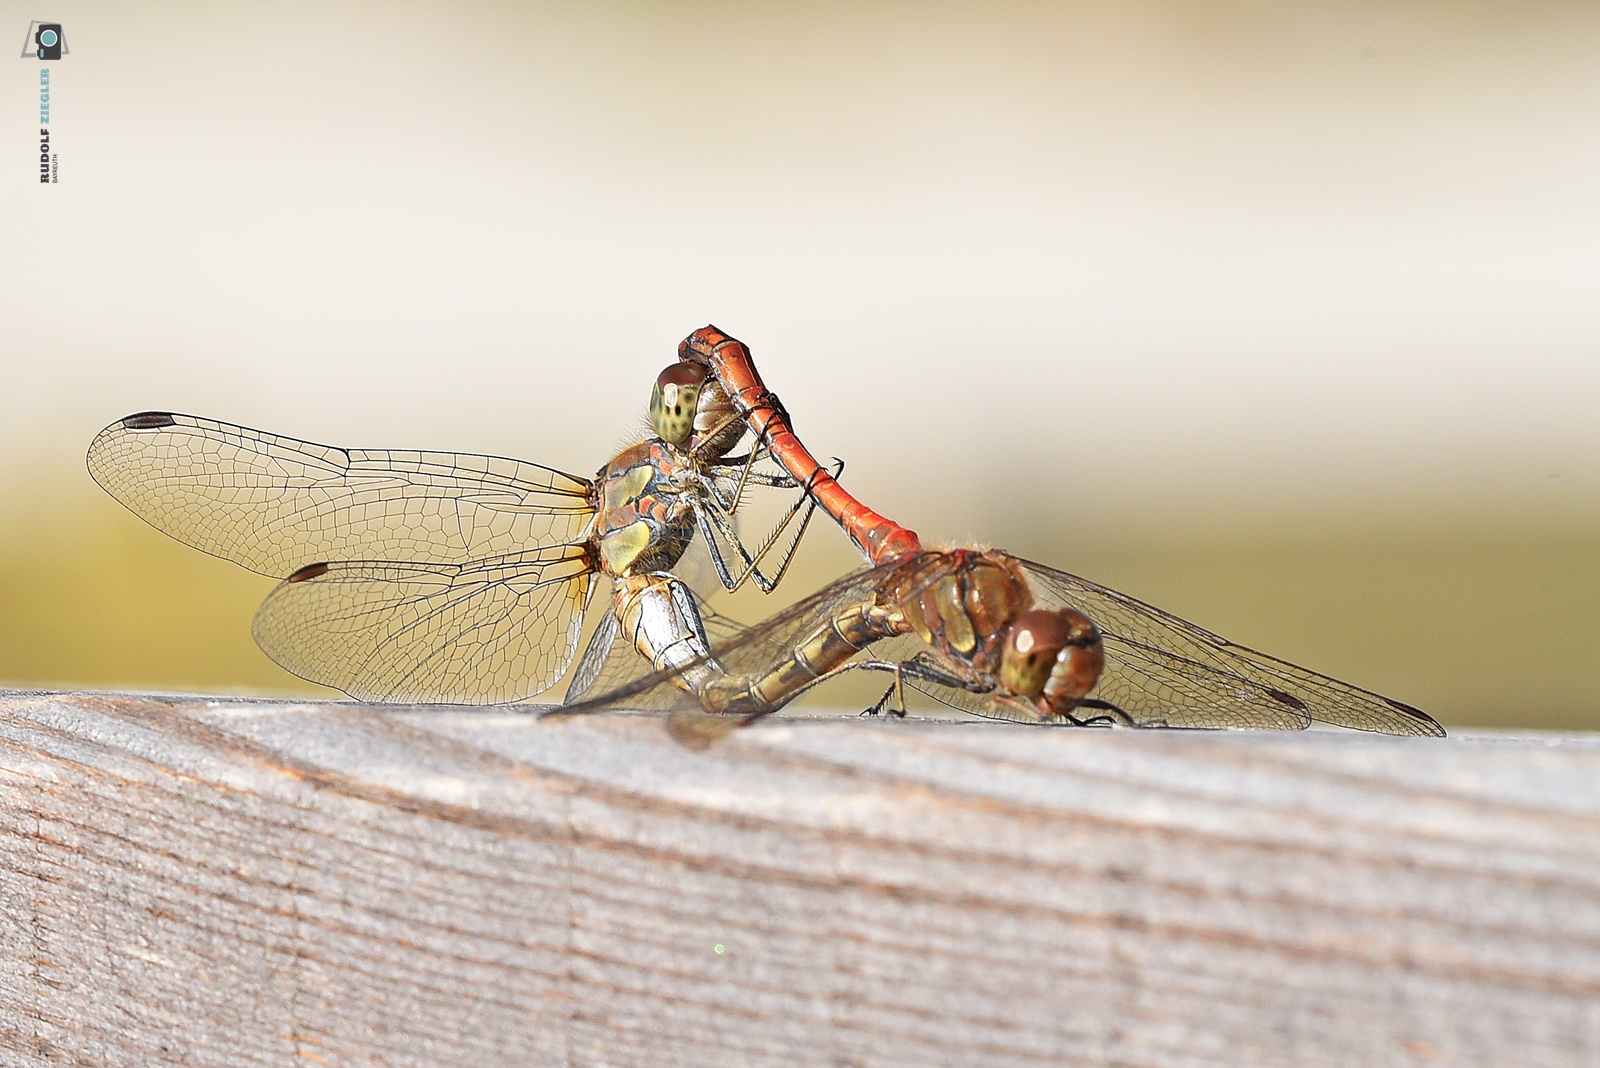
column 1030, row 652
column 1054, row 652
column 674, row 402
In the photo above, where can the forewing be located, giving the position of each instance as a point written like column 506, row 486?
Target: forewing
column 274, row 504
column 1165, row 671
column 489, row 631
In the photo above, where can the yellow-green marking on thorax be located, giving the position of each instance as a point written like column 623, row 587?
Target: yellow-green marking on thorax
column 621, row 547
column 626, row 487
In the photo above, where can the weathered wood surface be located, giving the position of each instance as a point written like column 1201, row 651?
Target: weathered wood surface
column 260, row 882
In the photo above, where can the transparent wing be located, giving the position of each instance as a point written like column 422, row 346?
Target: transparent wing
column 695, row 568
column 1165, row 671
column 1160, row 670
column 487, row 631
column 274, row 504
column 594, row 659
column 722, row 629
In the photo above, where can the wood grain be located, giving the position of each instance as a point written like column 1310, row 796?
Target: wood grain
column 229, row 882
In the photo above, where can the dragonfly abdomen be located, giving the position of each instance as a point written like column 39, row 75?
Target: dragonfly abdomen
column 824, row 651
column 661, row 617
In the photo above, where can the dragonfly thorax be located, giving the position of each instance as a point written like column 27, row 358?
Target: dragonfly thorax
column 961, row 601
column 644, row 524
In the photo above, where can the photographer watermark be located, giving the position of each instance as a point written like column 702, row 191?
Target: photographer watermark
column 46, row 41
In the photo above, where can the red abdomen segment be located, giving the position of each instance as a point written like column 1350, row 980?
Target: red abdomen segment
column 880, row 537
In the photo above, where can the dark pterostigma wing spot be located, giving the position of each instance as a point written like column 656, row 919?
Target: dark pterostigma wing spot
column 149, row 421
column 307, row 573
column 1287, row 698
column 1408, row 710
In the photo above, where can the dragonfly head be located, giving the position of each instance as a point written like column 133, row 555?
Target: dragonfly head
column 1052, row 654
column 675, row 401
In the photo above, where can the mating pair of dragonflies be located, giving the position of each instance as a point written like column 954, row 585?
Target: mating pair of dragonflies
column 459, row 578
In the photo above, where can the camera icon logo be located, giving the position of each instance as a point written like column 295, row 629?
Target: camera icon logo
column 45, row 40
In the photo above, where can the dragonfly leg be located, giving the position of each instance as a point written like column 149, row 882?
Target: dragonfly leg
column 925, row 667
column 748, row 462
column 880, row 706
column 810, row 504
column 748, row 476
column 708, row 514
column 771, row 479
column 729, row 504
column 771, row 410
column 897, row 688
column 876, row 708
column 711, row 524
column 767, row 479
column 1111, row 715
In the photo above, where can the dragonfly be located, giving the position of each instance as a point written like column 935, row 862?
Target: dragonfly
column 455, row 577
column 981, row 631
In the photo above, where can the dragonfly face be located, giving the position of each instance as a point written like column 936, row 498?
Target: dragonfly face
column 690, row 409
column 675, row 402
column 1052, row 657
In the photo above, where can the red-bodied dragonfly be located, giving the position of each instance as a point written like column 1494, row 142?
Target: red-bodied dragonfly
column 983, row 631
column 454, row 577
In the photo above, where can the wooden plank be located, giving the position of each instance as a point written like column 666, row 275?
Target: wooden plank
column 227, row 882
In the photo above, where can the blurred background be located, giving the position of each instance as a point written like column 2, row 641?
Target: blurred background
column 1282, row 316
